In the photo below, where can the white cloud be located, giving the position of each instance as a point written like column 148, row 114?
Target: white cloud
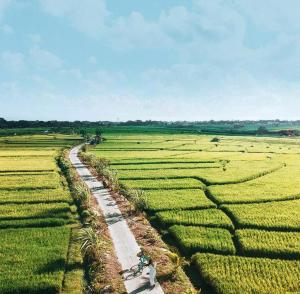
column 45, row 59
column 206, row 21
column 13, row 61
column 274, row 15
column 86, row 16
column 205, row 64
column 135, row 31
column 209, row 32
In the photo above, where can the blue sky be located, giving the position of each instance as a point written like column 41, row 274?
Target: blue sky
column 141, row 59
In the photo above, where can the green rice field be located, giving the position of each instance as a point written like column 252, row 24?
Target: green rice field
column 231, row 206
column 37, row 216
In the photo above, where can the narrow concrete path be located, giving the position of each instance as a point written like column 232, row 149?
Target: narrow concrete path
column 124, row 242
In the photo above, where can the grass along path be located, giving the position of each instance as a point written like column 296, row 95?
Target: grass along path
column 123, row 240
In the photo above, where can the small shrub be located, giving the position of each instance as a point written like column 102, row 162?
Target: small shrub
column 215, row 139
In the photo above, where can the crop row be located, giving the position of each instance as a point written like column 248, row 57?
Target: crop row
column 17, row 181
column 166, row 166
column 204, row 217
column 235, row 274
column 283, row 215
column 180, row 183
column 10, row 164
column 202, row 239
column 158, row 161
column 233, row 172
column 136, row 155
column 157, row 200
column 281, row 184
column 267, row 243
column 35, row 196
column 41, row 210
column 237, row 170
column 33, row 260
column 35, row 209
column 26, row 153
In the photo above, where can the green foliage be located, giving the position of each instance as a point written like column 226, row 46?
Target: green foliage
column 163, row 184
column 236, row 172
column 205, row 217
column 83, row 133
column 33, row 260
column 157, row 200
column 215, row 139
column 264, row 188
column 185, row 178
column 135, row 197
column 282, row 215
column 24, row 181
column 98, row 132
column 24, row 211
column 235, row 274
column 102, row 167
column 90, row 244
column 27, row 164
column 36, row 202
column 163, row 166
column 81, row 194
column 201, row 239
column 74, row 274
column 35, row 196
column 273, row 244
column 178, row 262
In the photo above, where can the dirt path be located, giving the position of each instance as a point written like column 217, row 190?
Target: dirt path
column 123, row 240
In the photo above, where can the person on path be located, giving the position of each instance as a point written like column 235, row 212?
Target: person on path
column 144, row 259
column 152, row 273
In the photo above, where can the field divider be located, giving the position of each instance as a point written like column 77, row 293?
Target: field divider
column 232, row 219
column 35, row 202
column 164, row 168
column 27, row 188
column 26, row 171
column 247, row 179
column 125, row 244
column 287, row 198
column 162, row 162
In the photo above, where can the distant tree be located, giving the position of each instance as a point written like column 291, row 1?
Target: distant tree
column 3, row 123
column 83, row 133
column 262, row 130
column 98, row 132
column 98, row 137
column 289, row 133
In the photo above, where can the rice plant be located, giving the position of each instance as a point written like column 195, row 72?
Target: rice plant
column 205, row 217
column 202, row 239
column 235, row 274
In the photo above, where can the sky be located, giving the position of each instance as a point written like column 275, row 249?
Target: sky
column 139, row 59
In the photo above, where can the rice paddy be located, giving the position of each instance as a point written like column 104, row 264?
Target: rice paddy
column 158, row 200
column 36, row 215
column 203, row 217
column 194, row 239
column 237, row 274
column 33, row 259
column 281, row 215
column 233, row 204
column 269, row 243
